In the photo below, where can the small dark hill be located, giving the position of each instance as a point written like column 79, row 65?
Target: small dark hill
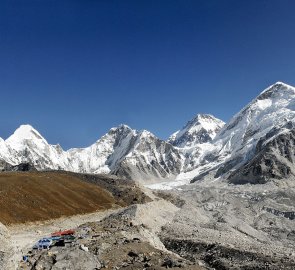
column 34, row 196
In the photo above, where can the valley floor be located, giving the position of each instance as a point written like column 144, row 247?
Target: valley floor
column 119, row 239
column 204, row 225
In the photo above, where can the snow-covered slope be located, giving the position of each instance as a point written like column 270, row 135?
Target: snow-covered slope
column 274, row 107
column 103, row 155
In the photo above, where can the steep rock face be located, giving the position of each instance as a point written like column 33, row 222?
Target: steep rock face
column 274, row 158
column 150, row 158
column 4, row 166
column 201, row 129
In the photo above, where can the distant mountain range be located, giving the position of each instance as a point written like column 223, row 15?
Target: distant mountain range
column 255, row 146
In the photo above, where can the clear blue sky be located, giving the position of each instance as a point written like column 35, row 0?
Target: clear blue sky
column 73, row 69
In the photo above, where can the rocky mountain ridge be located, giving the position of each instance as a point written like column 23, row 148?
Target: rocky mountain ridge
column 122, row 151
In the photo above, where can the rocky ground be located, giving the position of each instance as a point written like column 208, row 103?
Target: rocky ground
column 235, row 227
column 126, row 239
column 5, row 248
column 200, row 226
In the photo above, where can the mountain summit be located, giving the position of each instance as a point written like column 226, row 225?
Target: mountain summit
column 24, row 132
column 201, row 129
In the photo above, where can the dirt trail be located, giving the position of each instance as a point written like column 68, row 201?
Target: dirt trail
column 24, row 236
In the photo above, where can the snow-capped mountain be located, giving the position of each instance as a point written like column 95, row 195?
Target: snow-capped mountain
column 201, row 129
column 123, row 151
column 274, row 107
column 236, row 144
column 128, row 153
column 149, row 159
column 26, row 145
column 256, row 145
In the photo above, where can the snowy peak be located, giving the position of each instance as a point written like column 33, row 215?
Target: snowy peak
column 26, row 137
column 117, row 134
column 24, row 132
column 118, row 137
column 274, row 107
column 145, row 134
column 201, row 129
column 26, row 145
column 145, row 141
column 207, row 121
column 120, row 129
column 105, row 153
column 275, row 90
